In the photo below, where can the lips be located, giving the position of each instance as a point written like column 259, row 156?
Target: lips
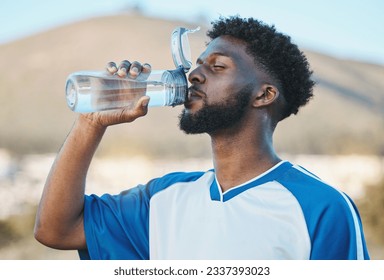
column 194, row 93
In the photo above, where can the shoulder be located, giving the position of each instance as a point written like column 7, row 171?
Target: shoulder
column 158, row 184
column 304, row 184
column 331, row 216
column 318, row 199
column 144, row 192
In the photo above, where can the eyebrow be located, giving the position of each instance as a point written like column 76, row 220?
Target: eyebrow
column 221, row 54
column 216, row 54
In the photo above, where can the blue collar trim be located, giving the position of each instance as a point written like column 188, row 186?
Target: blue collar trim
column 217, row 195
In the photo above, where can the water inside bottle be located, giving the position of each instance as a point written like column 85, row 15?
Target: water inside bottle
column 91, row 93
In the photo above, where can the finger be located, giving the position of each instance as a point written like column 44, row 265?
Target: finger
column 140, row 109
column 144, row 101
column 147, row 68
column 123, row 68
column 145, row 72
column 135, row 69
column 111, row 67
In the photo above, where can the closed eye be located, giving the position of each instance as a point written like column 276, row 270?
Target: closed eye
column 218, row 67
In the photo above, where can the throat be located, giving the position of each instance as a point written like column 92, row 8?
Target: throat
column 237, row 165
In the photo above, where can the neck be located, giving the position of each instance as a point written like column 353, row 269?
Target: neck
column 239, row 158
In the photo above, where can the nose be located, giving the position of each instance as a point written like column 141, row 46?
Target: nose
column 196, row 76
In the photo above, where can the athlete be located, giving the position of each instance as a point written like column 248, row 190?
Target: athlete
column 251, row 205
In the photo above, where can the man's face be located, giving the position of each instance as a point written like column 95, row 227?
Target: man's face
column 222, row 85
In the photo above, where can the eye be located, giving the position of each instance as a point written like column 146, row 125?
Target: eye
column 218, row 66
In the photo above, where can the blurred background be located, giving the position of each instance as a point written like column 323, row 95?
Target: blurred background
column 338, row 136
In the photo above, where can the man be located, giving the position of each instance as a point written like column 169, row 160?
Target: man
column 251, row 205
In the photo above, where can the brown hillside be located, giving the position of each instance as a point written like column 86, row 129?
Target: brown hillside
column 346, row 115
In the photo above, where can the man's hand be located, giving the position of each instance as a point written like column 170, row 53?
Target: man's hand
column 136, row 71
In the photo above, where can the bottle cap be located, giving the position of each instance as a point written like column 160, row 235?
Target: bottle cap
column 181, row 51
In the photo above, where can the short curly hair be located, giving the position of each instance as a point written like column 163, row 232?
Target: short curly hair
column 275, row 53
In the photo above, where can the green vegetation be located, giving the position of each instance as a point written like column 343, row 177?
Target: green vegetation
column 17, row 227
column 372, row 212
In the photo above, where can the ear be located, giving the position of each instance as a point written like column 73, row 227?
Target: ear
column 266, row 95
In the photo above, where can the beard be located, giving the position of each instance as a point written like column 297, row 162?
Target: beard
column 214, row 117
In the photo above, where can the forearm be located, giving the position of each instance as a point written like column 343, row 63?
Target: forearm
column 59, row 219
column 60, row 214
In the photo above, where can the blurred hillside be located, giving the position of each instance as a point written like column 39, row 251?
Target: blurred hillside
column 346, row 115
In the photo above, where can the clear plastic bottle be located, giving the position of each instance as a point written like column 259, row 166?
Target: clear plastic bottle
column 93, row 91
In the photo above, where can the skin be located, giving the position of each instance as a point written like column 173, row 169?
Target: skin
column 221, row 70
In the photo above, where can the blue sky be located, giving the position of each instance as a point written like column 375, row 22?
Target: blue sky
column 351, row 29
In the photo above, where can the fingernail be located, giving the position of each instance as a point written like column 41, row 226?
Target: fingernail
column 134, row 70
column 122, row 71
column 112, row 69
column 146, row 66
column 145, row 103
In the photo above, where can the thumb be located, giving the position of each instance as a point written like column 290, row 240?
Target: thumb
column 140, row 109
column 143, row 102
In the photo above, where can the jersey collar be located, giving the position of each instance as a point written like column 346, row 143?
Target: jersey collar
column 269, row 175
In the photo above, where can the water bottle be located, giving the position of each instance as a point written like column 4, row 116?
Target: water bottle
column 94, row 91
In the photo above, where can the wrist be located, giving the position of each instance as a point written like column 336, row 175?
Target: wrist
column 90, row 125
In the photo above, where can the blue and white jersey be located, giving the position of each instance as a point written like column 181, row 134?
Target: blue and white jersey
column 284, row 213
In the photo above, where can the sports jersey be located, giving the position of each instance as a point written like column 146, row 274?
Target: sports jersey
column 284, row 213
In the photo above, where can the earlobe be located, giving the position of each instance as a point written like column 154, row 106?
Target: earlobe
column 265, row 96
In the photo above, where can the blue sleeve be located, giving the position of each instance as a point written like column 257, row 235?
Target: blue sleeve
column 338, row 234
column 333, row 222
column 117, row 226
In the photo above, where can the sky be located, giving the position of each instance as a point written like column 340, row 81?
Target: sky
column 348, row 29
